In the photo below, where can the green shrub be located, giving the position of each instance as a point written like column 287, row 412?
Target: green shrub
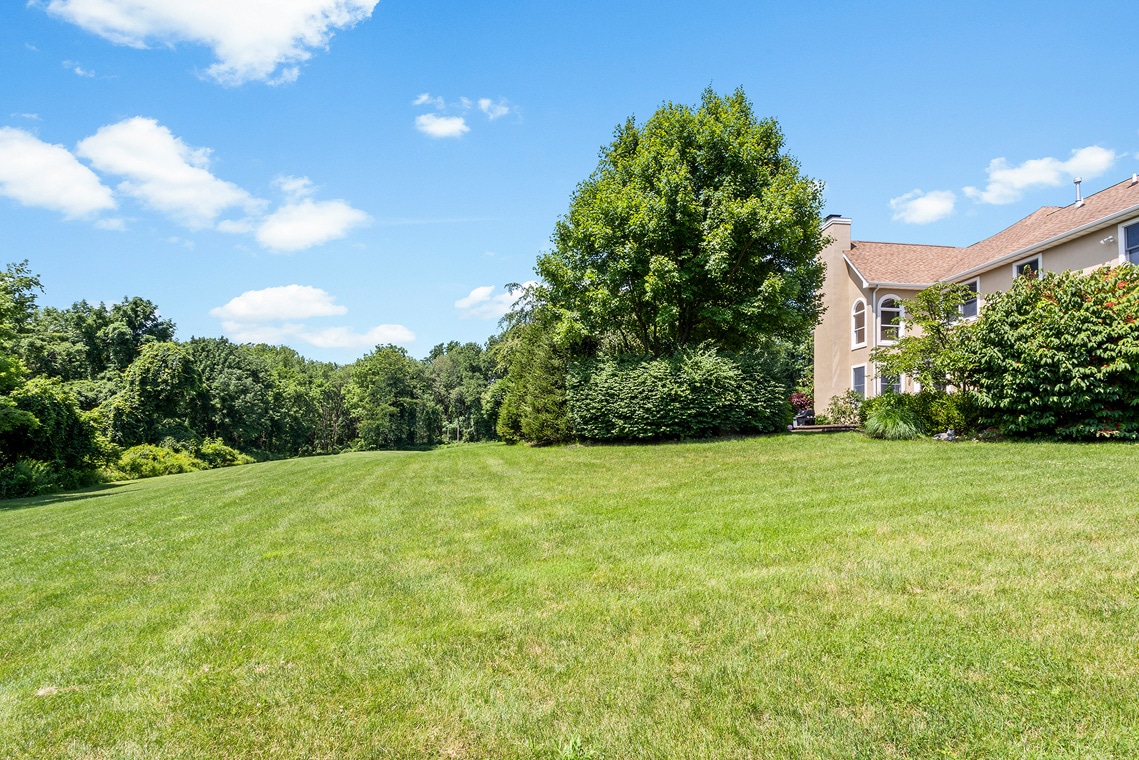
column 32, row 477
column 149, row 461
column 216, row 454
column 1059, row 356
column 892, row 417
column 844, row 409
column 694, row 393
column 940, row 411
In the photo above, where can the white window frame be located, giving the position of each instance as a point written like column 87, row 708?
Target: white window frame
column 1039, row 265
column 854, row 343
column 864, row 379
column 976, row 281
column 879, row 377
column 1121, row 236
column 879, row 323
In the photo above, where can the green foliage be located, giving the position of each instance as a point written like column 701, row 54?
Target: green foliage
column 936, row 349
column 61, row 435
column 460, row 375
column 940, row 411
column 1059, row 356
column 532, row 396
column 150, row 461
column 891, row 417
column 237, row 392
column 390, row 401
column 215, row 454
column 845, row 409
column 162, row 389
column 695, row 227
column 695, row 393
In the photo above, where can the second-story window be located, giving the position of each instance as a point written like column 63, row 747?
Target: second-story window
column 969, row 306
column 858, row 324
column 1030, row 268
column 1131, row 243
column 889, row 320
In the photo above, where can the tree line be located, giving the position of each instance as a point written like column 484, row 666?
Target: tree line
column 107, row 386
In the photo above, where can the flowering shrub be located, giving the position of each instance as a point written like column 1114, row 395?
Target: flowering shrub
column 1059, row 355
column 801, row 401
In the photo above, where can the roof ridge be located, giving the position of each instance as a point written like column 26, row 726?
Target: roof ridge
column 922, row 245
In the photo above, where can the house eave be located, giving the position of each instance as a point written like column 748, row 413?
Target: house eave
column 1051, row 242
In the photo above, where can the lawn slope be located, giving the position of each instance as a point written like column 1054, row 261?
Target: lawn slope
column 788, row 597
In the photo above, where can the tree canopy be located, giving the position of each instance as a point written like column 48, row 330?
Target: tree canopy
column 696, row 227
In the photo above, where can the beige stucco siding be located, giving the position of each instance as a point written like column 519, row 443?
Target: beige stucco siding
column 835, row 356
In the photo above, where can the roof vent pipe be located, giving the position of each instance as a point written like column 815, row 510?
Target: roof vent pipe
column 1079, row 198
column 1135, row 178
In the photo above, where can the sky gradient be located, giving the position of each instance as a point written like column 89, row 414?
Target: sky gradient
column 335, row 173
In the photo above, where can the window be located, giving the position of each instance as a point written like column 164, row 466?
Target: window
column 1030, row 268
column 858, row 323
column 889, row 319
column 1131, row 243
column 969, row 307
column 888, row 384
column 858, row 380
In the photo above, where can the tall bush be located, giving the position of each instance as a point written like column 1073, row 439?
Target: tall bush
column 693, row 393
column 1059, row 356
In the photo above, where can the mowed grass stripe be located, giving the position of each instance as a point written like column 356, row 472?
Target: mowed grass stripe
column 772, row 597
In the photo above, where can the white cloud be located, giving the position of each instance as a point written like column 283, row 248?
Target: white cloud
column 252, row 39
column 434, row 125
column 1007, row 183
column 916, row 207
column 163, row 172
column 280, row 304
column 481, row 303
column 327, row 337
column 28, row 116
column 36, row 173
column 294, row 187
column 79, row 70
column 305, row 223
column 425, row 99
column 114, row 225
column 492, row 109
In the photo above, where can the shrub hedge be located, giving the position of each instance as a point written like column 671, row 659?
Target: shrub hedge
column 693, row 394
column 1059, row 356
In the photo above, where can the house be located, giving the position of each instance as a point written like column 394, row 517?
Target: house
column 866, row 282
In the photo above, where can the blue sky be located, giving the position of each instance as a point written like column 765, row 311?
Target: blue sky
column 261, row 168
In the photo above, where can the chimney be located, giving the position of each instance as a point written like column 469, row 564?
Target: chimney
column 1079, row 197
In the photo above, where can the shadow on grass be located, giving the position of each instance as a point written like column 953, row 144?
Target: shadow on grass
column 91, row 492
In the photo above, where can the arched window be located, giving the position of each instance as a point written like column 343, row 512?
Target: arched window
column 858, row 324
column 890, row 315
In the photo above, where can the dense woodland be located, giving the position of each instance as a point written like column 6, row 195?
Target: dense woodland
column 103, row 386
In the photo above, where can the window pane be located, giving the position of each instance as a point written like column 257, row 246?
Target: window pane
column 1028, row 267
column 1132, row 243
column 887, row 384
column 860, row 324
column 858, row 380
column 889, row 317
column 969, row 308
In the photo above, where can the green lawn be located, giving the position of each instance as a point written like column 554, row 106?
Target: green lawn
column 793, row 596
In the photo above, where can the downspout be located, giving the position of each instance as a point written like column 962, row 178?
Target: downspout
column 874, row 311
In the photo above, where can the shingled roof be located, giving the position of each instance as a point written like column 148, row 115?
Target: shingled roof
column 925, row 264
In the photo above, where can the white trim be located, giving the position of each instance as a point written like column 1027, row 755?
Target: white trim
column 854, row 344
column 1038, row 258
column 1121, row 236
column 1106, row 221
column 878, row 378
column 865, row 379
column 976, row 294
column 879, row 324
column 849, row 263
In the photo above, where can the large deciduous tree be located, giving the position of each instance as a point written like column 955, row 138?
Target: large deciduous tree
column 695, row 228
